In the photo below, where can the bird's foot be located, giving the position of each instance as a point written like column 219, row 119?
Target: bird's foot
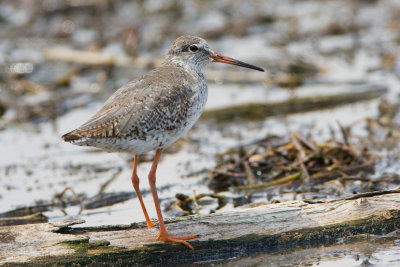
column 168, row 238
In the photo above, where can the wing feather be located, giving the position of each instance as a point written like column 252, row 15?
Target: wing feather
column 135, row 104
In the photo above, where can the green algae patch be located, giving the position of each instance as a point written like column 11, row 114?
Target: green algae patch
column 102, row 243
column 84, row 246
column 79, row 245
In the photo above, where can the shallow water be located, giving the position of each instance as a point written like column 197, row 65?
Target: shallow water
column 364, row 253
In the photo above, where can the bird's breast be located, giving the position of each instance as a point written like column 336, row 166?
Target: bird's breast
column 197, row 100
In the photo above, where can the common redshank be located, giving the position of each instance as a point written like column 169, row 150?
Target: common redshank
column 154, row 111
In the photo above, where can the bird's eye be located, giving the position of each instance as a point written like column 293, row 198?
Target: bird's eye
column 193, row 48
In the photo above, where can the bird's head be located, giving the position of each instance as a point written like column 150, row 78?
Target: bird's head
column 195, row 52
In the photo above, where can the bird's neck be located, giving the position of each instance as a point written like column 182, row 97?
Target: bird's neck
column 178, row 62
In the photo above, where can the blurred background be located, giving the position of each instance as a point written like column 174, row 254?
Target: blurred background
column 331, row 89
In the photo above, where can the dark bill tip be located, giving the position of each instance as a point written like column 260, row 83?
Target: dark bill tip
column 227, row 60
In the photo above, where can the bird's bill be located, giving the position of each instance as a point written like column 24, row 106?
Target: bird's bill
column 227, row 60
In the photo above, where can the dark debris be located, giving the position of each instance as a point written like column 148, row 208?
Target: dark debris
column 297, row 165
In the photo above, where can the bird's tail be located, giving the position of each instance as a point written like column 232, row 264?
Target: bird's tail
column 71, row 136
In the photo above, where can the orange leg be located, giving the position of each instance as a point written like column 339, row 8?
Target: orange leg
column 164, row 236
column 135, row 183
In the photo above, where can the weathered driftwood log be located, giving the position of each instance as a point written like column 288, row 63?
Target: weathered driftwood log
column 263, row 228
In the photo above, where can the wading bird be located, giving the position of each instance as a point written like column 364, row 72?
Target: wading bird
column 154, row 111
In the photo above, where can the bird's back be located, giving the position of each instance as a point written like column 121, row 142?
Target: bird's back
column 148, row 113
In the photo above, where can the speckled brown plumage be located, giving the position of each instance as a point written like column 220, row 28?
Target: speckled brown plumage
column 151, row 112
column 156, row 108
